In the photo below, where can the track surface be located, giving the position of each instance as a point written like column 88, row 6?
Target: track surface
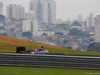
column 58, row 61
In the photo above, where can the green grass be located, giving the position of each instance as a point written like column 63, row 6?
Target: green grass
column 6, row 47
column 8, row 44
column 43, row 71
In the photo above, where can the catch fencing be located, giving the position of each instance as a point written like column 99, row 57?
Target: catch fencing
column 57, row 61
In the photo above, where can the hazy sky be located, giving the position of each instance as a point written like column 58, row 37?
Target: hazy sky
column 66, row 9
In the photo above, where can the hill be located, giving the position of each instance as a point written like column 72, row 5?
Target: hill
column 8, row 44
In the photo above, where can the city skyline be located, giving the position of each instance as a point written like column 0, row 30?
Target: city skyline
column 66, row 9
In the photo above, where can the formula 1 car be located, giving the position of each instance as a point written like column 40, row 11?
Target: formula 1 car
column 36, row 51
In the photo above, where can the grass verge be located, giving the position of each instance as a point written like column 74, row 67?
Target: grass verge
column 44, row 71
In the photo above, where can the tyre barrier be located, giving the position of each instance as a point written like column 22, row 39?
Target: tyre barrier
column 61, row 61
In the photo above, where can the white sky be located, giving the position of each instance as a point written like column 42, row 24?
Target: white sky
column 66, row 9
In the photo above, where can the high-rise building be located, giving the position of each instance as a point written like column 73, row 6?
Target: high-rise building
column 26, row 25
column 29, row 15
column 1, row 8
column 30, row 25
column 15, row 11
column 97, row 29
column 35, row 27
column 90, row 20
column 44, row 10
column 80, row 18
column 87, row 22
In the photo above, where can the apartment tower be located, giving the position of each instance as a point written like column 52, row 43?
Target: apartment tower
column 44, row 10
column 97, row 29
column 1, row 8
column 15, row 11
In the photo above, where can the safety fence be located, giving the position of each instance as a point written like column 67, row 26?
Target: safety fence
column 80, row 62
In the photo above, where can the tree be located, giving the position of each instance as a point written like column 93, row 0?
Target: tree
column 65, row 41
column 94, row 47
column 2, row 18
column 75, row 31
column 91, row 40
column 13, row 19
column 27, row 34
column 58, row 33
column 76, row 23
column 62, row 24
column 44, row 35
column 69, row 47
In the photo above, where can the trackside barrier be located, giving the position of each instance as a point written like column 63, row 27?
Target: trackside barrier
column 80, row 62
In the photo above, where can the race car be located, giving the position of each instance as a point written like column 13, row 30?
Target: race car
column 37, row 51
